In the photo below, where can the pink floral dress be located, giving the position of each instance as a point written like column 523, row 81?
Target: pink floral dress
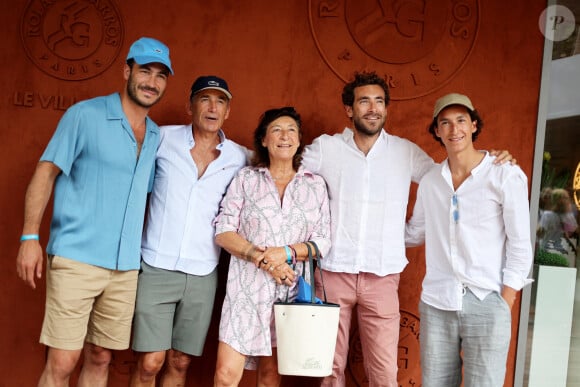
column 253, row 209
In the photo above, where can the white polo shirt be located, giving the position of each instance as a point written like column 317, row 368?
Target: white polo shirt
column 368, row 199
column 179, row 234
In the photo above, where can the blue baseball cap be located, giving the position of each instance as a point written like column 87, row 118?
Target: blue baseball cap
column 148, row 50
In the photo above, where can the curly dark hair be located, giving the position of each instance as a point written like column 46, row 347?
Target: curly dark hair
column 473, row 115
column 261, row 155
column 363, row 78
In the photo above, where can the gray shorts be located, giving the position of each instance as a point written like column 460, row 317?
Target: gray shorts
column 469, row 346
column 173, row 310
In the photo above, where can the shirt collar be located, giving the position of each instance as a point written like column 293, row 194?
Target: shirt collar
column 301, row 171
column 114, row 108
column 189, row 137
column 486, row 160
column 115, row 112
column 446, row 172
column 348, row 137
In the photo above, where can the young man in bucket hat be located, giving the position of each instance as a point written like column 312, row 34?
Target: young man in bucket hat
column 178, row 278
column 100, row 162
column 474, row 218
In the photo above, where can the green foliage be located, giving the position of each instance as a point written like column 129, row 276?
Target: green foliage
column 546, row 258
column 550, row 178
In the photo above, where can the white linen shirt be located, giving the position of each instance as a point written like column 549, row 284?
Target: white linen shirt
column 485, row 246
column 179, row 233
column 368, row 199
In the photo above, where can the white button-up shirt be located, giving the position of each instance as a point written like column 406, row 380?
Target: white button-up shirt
column 368, row 199
column 477, row 236
column 179, row 233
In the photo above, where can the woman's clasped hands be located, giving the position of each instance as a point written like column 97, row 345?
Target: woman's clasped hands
column 274, row 261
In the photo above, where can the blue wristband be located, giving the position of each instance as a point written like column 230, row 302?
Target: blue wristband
column 28, row 237
column 288, row 255
column 293, row 255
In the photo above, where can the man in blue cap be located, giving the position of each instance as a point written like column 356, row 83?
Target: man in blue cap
column 100, row 162
column 178, row 278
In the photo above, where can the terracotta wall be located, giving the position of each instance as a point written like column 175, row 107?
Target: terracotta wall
column 273, row 53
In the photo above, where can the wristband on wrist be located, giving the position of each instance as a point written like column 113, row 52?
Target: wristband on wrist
column 28, row 237
column 288, row 255
column 294, row 255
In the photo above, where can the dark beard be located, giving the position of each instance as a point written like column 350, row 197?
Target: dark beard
column 132, row 93
column 365, row 131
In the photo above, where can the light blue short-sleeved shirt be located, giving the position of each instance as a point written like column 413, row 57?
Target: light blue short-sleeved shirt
column 100, row 196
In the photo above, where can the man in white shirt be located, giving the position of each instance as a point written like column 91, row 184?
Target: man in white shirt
column 368, row 174
column 474, row 219
column 195, row 163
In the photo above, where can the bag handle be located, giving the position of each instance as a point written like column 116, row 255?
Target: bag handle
column 311, row 267
column 312, row 300
column 310, row 245
column 311, row 264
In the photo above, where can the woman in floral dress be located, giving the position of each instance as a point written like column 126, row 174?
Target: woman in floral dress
column 269, row 211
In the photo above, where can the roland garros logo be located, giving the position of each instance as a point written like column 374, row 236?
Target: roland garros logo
column 71, row 39
column 418, row 45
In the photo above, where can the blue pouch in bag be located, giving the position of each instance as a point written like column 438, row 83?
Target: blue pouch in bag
column 305, row 291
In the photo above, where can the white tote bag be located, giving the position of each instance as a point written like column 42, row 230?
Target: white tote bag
column 306, row 333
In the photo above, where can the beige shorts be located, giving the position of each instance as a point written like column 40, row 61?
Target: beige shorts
column 87, row 303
